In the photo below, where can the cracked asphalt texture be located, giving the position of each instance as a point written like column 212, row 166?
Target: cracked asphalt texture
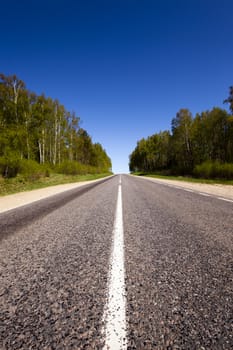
column 54, row 262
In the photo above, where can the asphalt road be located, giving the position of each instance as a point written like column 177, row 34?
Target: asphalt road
column 178, row 258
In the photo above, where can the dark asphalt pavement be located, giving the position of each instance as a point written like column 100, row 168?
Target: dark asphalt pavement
column 54, row 265
column 53, row 273
column 179, row 267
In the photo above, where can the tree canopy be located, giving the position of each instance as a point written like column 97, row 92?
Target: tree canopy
column 39, row 128
column 193, row 141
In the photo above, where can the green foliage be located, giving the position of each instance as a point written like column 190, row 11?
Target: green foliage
column 9, row 166
column 76, row 168
column 230, row 98
column 211, row 170
column 200, row 146
column 181, row 142
column 28, row 169
column 71, row 168
column 19, row 183
column 151, row 153
column 39, row 130
column 31, row 170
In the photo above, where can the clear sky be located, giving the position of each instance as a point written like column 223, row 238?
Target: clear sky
column 124, row 66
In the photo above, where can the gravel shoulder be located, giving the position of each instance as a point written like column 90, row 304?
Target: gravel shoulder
column 225, row 191
column 16, row 200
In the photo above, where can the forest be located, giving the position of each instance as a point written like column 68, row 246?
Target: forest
column 200, row 146
column 38, row 135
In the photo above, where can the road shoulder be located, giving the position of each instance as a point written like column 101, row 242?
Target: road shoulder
column 16, row 200
column 225, row 191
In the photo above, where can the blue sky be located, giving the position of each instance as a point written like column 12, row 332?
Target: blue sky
column 124, row 66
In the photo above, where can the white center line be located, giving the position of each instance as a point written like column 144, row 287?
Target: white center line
column 115, row 314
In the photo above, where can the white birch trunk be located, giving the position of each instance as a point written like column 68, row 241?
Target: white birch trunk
column 40, row 151
column 55, row 138
column 43, row 146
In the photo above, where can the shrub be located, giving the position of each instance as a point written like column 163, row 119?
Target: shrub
column 31, row 170
column 75, row 168
column 203, row 170
column 9, row 167
column 70, row 168
column 211, row 170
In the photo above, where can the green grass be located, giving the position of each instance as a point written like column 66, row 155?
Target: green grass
column 20, row 184
column 188, row 179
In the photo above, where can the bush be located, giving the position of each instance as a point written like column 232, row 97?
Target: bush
column 71, row 168
column 31, row 170
column 203, row 170
column 75, row 168
column 227, row 171
column 9, row 167
column 212, row 170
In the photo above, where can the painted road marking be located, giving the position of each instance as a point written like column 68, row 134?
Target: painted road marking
column 204, row 194
column 115, row 312
column 225, row 199
column 194, row 191
column 214, row 196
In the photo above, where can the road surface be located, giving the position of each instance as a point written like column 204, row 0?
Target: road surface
column 125, row 264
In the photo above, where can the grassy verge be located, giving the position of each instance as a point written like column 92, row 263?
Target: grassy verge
column 19, row 184
column 188, row 179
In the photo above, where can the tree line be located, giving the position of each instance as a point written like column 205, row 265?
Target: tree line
column 36, row 128
column 200, row 146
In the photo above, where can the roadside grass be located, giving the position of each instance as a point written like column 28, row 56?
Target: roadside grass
column 20, row 184
column 187, row 179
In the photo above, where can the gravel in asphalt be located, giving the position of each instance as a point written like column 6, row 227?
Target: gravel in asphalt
column 54, row 267
column 53, row 274
column 179, row 265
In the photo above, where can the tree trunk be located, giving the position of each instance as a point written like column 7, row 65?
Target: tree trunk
column 59, row 141
column 43, row 146
column 40, row 151
column 71, row 146
column 55, row 138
